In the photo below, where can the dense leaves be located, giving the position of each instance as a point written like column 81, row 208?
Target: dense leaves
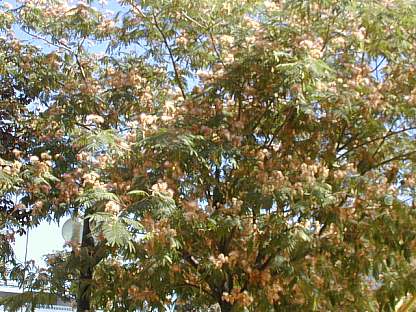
column 232, row 155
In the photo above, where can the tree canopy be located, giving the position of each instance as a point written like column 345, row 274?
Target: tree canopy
column 222, row 154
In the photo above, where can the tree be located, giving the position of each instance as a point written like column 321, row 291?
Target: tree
column 246, row 155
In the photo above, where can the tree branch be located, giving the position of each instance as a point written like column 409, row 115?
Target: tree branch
column 277, row 131
column 60, row 46
column 175, row 66
column 389, row 134
column 398, row 157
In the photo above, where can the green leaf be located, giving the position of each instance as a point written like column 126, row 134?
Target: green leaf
column 92, row 196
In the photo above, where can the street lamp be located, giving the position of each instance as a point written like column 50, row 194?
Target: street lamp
column 72, row 230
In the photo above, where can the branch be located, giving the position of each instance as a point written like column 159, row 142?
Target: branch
column 192, row 20
column 83, row 126
column 195, row 264
column 191, row 259
column 340, row 137
column 389, row 134
column 376, row 68
column 175, row 67
column 84, row 77
column 214, row 47
column 263, row 114
column 328, row 31
column 272, row 254
column 78, row 60
column 277, row 131
column 187, row 284
column 60, row 46
column 398, row 157
column 224, row 245
column 207, row 28
column 137, row 9
column 67, row 48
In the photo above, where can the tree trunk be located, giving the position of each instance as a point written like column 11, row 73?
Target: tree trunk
column 86, row 269
column 226, row 306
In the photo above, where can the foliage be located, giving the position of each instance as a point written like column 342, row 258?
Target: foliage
column 240, row 155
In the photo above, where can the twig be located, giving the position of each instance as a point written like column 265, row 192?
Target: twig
column 277, row 131
column 385, row 137
column 175, row 67
column 402, row 156
column 214, row 47
column 61, row 46
column 389, row 134
column 192, row 20
column 138, row 10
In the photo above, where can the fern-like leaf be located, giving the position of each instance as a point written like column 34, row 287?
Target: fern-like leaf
column 91, row 197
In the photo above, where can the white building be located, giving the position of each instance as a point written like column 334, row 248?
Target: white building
column 10, row 290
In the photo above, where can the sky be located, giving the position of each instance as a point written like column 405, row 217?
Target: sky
column 43, row 240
